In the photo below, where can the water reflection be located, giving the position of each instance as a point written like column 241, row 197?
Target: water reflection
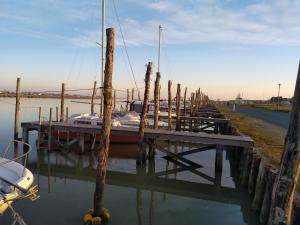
column 192, row 189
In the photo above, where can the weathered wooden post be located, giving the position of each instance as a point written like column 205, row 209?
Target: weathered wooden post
column 104, row 149
column 184, row 106
column 62, row 103
column 132, row 94
column 156, row 100
column 169, row 104
column 17, row 110
column 50, row 130
column 141, row 149
column 288, row 174
column 67, row 114
column 178, row 96
column 56, row 115
column 115, row 94
column 127, row 101
column 93, row 97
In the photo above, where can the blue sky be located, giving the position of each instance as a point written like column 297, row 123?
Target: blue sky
column 222, row 46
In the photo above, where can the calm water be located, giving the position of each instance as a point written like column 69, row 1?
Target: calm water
column 133, row 196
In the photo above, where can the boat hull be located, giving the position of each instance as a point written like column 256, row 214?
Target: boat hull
column 117, row 139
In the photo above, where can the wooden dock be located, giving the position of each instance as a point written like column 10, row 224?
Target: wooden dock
column 160, row 134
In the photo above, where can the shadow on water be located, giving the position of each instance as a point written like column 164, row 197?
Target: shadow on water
column 163, row 192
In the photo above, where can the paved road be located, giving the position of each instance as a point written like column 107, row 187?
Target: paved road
column 277, row 118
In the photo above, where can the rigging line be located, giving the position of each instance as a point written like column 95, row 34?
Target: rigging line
column 121, row 31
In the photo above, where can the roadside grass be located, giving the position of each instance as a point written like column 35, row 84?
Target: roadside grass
column 270, row 145
column 272, row 107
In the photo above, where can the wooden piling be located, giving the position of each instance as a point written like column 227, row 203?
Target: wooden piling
column 62, row 103
column 115, row 94
column 260, row 187
column 289, row 169
column 169, row 104
column 256, row 159
column 93, row 97
column 17, row 110
column 50, row 130
column 178, row 96
column 184, row 106
column 156, row 100
column 104, row 150
column 132, row 94
column 141, row 149
column 67, row 114
column 127, row 100
column 56, row 114
column 266, row 204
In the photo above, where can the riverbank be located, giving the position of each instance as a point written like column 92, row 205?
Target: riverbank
column 271, row 107
column 268, row 137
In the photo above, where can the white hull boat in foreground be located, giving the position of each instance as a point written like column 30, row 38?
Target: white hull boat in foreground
column 16, row 182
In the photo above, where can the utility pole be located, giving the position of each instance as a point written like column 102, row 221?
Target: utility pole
column 278, row 96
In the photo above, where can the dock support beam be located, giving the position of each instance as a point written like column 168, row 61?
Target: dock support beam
column 62, row 103
column 170, row 104
column 178, row 96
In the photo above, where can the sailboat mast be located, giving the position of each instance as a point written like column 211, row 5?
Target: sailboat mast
column 159, row 37
column 102, row 56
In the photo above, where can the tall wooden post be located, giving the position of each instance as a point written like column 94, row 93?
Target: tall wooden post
column 93, row 97
column 50, row 130
column 170, row 105
column 289, row 170
column 132, row 94
column 178, row 96
column 17, row 110
column 141, row 150
column 62, row 103
column 67, row 114
column 56, row 114
column 115, row 94
column 184, row 105
column 192, row 103
column 104, row 149
column 156, row 100
column 127, row 101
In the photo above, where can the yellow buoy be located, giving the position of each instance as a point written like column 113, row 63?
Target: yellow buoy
column 87, row 218
column 96, row 221
column 91, row 211
column 105, row 215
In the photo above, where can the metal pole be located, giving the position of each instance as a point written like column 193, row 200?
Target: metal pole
column 102, row 58
column 159, row 35
column 278, row 96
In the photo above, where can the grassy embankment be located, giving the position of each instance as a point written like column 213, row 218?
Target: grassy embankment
column 270, row 144
column 272, row 107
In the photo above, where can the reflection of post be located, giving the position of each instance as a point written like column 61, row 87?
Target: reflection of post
column 218, row 164
column 39, row 129
column 139, row 206
column 152, row 208
column 49, row 173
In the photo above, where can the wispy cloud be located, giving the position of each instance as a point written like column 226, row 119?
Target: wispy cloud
column 269, row 22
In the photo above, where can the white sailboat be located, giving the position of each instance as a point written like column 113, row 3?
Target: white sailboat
column 16, row 181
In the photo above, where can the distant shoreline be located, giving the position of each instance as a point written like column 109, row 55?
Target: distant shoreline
column 47, row 96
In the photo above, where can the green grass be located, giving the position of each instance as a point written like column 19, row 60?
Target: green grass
column 270, row 146
column 272, row 107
